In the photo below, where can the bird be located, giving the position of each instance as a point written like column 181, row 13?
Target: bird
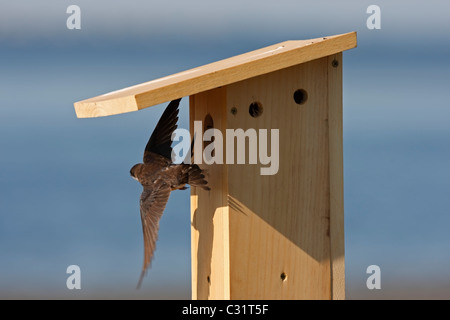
column 159, row 176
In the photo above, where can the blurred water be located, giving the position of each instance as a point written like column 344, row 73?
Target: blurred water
column 66, row 196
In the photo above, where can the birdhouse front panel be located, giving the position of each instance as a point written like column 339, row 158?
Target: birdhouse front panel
column 273, row 228
column 289, row 209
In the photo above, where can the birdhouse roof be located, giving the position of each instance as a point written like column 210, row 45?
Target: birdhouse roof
column 213, row 75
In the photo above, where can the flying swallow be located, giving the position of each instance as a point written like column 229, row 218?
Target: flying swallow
column 159, row 176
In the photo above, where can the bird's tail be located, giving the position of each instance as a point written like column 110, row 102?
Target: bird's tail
column 196, row 177
column 193, row 174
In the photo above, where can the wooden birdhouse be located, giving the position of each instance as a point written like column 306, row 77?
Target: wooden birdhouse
column 274, row 234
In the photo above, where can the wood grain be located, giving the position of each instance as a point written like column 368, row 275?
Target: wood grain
column 210, row 76
column 336, row 176
column 279, row 236
column 279, row 224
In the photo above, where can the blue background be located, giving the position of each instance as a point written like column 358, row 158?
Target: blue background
column 66, row 196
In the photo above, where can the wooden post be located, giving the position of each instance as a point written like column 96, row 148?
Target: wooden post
column 256, row 236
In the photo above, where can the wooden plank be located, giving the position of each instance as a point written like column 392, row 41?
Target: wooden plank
column 336, row 176
column 209, row 210
column 224, row 72
column 251, row 229
column 279, row 224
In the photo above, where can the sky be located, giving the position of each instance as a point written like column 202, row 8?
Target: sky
column 22, row 20
column 65, row 192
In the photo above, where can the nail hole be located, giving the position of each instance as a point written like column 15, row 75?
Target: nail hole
column 233, row 111
column 334, row 63
column 283, row 276
column 300, row 96
column 255, row 109
column 208, row 279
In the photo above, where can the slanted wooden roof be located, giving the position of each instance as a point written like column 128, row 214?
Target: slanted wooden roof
column 213, row 75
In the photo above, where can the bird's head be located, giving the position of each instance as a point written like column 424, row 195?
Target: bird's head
column 134, row 171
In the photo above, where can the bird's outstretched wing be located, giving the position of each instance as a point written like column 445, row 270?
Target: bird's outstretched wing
column 153, row 201
column 161, row 139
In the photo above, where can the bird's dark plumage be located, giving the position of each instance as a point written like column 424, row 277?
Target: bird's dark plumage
column 159, row 176
column 161, row 139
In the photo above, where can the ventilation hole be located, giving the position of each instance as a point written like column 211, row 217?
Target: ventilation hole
column 300, row 96
column 255, row 109
column 208, row 124
column 233, row 111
